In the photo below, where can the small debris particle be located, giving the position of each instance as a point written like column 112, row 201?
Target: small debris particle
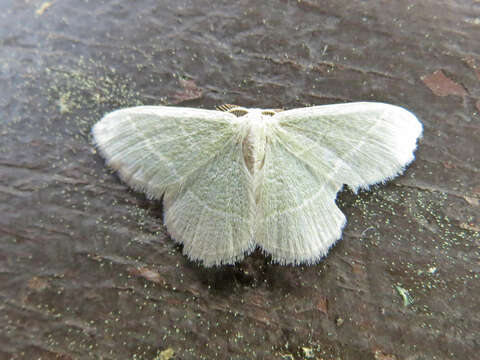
column 148, row 274
column 441, row 85
column 470, row 61
column 380, row 355
column 322, row 305
column 308, row 352
column 166, row 354
column 471, row 227
column 43, row 7
column 449, row 165
column 407, row 298
column 339, row 321
column 432, row 270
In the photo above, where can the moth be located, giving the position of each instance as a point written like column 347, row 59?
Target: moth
column 234, row 179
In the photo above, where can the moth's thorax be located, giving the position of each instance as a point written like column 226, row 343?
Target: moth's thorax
column 256, row 124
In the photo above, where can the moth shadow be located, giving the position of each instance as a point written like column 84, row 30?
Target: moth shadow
column 255, row 272
column 230, row 278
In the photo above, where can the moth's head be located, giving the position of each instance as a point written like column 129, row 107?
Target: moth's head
column 240, row 111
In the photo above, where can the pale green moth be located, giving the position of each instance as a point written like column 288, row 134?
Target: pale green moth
column 239, row 178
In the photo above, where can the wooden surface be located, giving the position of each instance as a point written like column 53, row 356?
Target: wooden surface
column 87, row 270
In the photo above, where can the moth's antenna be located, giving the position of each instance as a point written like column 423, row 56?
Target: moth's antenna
column 271, row 112
column 233, row 109
column 226, row 107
